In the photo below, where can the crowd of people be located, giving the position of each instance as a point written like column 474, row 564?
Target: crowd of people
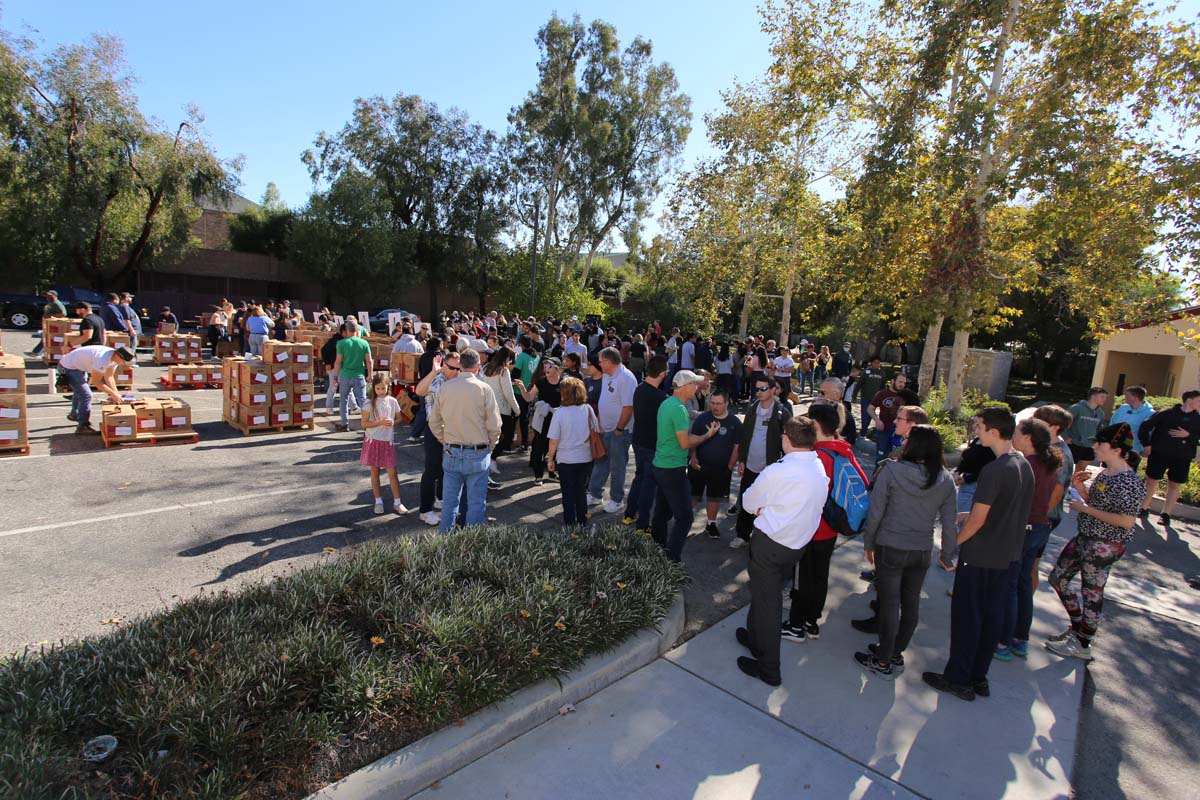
column 575, row 399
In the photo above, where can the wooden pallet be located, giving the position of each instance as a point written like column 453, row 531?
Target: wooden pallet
column 153, row 439
column 14, row 450
column 237, row 426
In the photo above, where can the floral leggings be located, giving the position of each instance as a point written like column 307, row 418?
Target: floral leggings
column 1092, row 559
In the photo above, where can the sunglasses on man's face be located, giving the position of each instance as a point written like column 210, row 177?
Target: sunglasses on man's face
column 762, row 388
column 449, row 368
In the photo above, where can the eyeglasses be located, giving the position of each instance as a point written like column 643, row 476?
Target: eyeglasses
column 449, row 368
column 762, row 388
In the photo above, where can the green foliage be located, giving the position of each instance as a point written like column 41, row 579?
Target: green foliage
column 89, row 184
column 265, row 229
column 560, row 298
column 951, row 424
column 272, row 690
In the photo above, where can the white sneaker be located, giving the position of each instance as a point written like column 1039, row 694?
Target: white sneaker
column 378, row 506
column 1071, row 648
column 737, row 543
column 494, row 468
column 399, row 507
column 437, row 504
column 595, row 501
column 611, row 508
column 431, row 518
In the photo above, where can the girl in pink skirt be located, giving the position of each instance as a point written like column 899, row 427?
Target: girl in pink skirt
column 378, row 450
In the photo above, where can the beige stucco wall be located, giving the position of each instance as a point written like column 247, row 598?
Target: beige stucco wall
column 1152, row 356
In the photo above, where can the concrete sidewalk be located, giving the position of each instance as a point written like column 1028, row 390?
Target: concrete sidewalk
column 691, row 725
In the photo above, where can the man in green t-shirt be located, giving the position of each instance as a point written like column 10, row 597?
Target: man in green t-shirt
column 353, row 368
column 53, row 308
column 526, row 363
column 674, row 497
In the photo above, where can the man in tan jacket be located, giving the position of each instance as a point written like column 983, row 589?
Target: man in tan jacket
column 465, row 418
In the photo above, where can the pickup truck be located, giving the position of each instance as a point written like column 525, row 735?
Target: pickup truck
column 24, row 311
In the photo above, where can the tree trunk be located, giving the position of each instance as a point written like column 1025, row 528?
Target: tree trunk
column 933, row 337
column 785, row 324
column 958, row 371
column 744, row 323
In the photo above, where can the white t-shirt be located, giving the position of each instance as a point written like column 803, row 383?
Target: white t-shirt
column 725, row 367
column 570, row 426
column 378, row 408
column 580, row 348
column 784, row 366
column 93, row 358
column 673, row 350
column 407, row 343
column 616, row 392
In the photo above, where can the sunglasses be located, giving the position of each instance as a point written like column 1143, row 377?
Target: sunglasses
column 762, row 388
column 449, row 368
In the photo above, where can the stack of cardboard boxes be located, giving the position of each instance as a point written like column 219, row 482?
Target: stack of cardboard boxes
column 195, row 376
column 14, row 410
column 178, row 348
column 148, row 420
column 272, row 393
column 54, row 338
column 123, row 377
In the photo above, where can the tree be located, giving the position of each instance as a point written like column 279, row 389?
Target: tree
column 595, row 137
column 265, row 229
column 97, row 188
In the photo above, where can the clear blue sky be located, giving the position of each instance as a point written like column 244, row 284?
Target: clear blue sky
column 269, row 76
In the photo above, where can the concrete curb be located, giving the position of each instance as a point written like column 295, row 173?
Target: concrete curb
column 1184, row 512
column 413, row 768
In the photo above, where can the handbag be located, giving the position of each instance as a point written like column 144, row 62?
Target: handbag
column 595, row 440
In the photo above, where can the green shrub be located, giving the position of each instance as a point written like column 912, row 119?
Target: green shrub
column 282, row 686
column 951, row 426
column 1156, row 402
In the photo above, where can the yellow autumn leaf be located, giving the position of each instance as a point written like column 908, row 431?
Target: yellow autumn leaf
column 620, row 585
column 524, row 613
column 330, row 550
column 535, row 652
column 376, row 640
column 560, row 625
column 548, row 587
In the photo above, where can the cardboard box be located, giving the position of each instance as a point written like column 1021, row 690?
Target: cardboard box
column 302, row 413
column 281, row 415
column 404, row 366
column 252, row 395
column 13, row 407
column 281, row 395
column 254, row 373
column 275, row 352
column 215, row 373
column 113, row 339
column 302, row 373
column 176, row 415
column 381, row 354
column 303, row 393
column 226, row 349
column 303, row 353
column 58, row 327
column 123, row 377
column 253, row 416
column 12, row 374
column 166, row 327
column 280, row 374
column 149, row 415
column 14, row 433
column 119, row 422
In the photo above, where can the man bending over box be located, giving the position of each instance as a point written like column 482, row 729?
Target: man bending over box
column 93, row 358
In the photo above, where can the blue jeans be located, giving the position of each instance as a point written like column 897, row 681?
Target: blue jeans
column 348, row 384
column 256, row 343
column 866, row 416
column 1018, row 616
column 81, row 396
column 883, row 442
column 614, row 464
column 464, row 467
column 807, row 379
column 966, row 497
column 643, row 488
column 573, row 481
column 673, row 503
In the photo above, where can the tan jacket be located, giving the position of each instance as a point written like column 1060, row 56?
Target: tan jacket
column 465, row 412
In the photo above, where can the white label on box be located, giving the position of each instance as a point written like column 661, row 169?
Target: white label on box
column 260, row 378
column 280, row 395
column 167, row 345
column 197, row 377
column 10, row 413
column 123, row 431
column 56, row 339
column 304, row 398
column 302, row 377
column 177, row 422
column 216, row 376
column 281, row 357
column 9, row 383
column 301, row 358
column 282, row 416
column 8, row 435
column 257, row 420
column 147, row 423
column 257, row 399
column 305, row 415
column 383, row 362
column 281, row 375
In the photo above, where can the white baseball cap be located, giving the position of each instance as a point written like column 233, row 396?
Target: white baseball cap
column 685, row 377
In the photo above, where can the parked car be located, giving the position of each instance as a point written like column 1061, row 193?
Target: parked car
column 379, row 321
column 25, row 310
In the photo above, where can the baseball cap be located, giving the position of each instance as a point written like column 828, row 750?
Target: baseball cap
column 50, row 293
column 685, row 377
column 804, row 341
column 126, row 354
column 552, row 362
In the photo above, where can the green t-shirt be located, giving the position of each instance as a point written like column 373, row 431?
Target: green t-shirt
column 672, row 417
column 354, row 352
column 54, row 307
column 527, row 363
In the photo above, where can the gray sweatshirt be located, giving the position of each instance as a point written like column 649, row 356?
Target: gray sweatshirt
column 903, row 511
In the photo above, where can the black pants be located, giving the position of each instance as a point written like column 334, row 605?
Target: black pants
column 899, row 576
column 745, row 520
column 508, row 424
column 523, row 419
column 771, row 564
column 431, row 477
column 811, row 582
column 215, row 332
column 672, row 504
column 976, row 620
column 573, row 481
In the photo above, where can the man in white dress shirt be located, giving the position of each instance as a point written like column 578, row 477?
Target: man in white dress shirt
column 786, row 499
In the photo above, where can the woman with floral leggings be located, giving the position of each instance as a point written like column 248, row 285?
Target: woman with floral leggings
column 1107, row 513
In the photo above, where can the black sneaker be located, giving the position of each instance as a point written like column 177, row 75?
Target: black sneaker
column 868, row 662
column 552, row 476
column 788, row 633
column 870, row 625
column 712, row 530
column 938, row 681
column 86, row 430
column 867, row 575
column 1165, row 519
column 1144, row 513
column 743, row 638
column 897, row 662
column 494, row 484
column 812, row 630
column 73, row 417
column 733, row 509
column 981, row 688
column 750, row 667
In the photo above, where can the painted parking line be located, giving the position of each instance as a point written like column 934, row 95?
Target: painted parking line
column 148, row 511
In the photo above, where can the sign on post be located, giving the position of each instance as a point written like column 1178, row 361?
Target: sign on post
column 364, row 319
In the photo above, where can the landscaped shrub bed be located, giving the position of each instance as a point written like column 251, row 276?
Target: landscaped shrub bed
column 283, row 686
